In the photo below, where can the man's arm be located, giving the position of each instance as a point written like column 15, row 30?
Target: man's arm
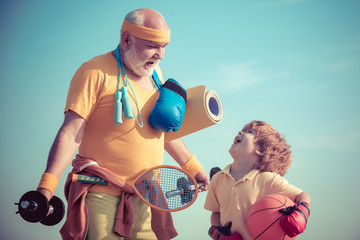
column 179, row 152
column 66, row 143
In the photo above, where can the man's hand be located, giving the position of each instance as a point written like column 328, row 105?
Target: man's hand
column 46, row 193
column 202, row 177
column 296, row 218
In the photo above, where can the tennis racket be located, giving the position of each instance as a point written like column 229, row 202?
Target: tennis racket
column 164, row 187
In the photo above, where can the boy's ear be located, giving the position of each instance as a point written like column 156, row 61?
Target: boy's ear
column 260, row 152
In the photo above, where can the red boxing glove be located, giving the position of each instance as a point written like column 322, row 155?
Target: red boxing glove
column 295, row 221
column 223, row 233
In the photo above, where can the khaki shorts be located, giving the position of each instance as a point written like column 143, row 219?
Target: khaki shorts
column 102, row 209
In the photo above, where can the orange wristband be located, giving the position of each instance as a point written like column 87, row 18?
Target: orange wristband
column 192, row 166
column 49, row 182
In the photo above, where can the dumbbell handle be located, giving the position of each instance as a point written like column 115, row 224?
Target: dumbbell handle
column 30, row 206
column 180, row 191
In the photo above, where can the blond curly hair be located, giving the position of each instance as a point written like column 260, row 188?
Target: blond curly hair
column 276, row 153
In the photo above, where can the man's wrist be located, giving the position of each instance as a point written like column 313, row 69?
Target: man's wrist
column 49, row 182
column 192, row 166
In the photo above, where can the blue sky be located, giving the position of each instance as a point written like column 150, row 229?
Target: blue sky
column 292, row 63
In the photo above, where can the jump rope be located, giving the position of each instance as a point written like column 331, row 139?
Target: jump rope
column 122, row 102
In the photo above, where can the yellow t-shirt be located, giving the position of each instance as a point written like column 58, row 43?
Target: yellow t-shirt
column 234, row 199
column 123, row 149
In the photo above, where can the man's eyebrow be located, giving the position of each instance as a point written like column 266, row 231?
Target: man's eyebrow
column 158, row 43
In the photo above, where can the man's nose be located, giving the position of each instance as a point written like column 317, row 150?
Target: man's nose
column 160, row 53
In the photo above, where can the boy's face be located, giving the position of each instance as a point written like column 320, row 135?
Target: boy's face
column 244, row 145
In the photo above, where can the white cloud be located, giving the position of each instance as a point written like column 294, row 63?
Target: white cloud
column 234, row 77
column 240, row 75
column 336, row 141
column 343, row 65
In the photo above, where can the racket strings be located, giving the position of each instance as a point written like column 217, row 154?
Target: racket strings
column 166, row 188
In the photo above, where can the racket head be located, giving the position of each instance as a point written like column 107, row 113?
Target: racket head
column 166, row 188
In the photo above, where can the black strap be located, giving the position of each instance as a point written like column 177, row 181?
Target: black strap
column 156, row 80
column 175, row 87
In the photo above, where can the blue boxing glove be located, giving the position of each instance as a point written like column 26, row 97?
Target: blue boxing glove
column 169, row 109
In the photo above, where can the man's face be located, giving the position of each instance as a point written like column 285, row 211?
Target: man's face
column 143, row 56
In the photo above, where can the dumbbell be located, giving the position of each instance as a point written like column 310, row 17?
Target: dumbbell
column 185, row 190
column 34, row 207
column 213, row 171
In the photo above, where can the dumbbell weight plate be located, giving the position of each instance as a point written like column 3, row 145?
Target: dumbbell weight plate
column 213, row 171
column 41, row 210
column 58, row 212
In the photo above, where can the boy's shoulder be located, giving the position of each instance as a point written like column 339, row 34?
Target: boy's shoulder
column 221, row 174
column 268, row 174
column 270, row 177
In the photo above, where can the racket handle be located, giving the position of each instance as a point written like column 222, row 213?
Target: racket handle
column 88, row 179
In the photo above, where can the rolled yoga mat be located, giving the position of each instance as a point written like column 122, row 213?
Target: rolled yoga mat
column 203, row 109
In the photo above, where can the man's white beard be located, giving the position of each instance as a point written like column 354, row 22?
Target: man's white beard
column 137, row 64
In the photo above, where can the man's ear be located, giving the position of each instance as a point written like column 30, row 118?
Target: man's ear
column 125, row 40
column 260, row 152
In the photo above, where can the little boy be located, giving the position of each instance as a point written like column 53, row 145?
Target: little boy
column 260, row 158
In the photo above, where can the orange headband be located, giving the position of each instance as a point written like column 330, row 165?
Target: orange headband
column 149, row 34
